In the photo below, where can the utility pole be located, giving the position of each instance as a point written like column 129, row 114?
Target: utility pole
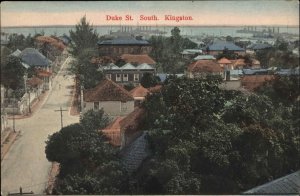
column 14, row 102
column 61, row 116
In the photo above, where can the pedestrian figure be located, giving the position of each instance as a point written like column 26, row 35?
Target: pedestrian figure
column 59, row 86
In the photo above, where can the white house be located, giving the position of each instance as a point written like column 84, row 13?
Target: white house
column 114, row 99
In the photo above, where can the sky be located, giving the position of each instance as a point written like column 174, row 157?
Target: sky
column 250, row 12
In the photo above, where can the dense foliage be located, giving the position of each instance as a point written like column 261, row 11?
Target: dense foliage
column 12, row 72
column 166, row 51
column 205, row 140
column 148, row 80
column 88, row 163
column 84, row 48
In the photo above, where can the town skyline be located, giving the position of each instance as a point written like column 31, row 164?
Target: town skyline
column 203, row 13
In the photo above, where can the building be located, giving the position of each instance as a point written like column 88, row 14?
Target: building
column 128, row 73
column 139, row 93
column 219, row 46
column 286, row 185
column 258, row 47
column 114, row 99
column 34, row 58
column 204, row 57
column 189, row 53
column 225, row 63
column 137, row 59
column 126, row 45
column 202, row 68
column 46, row 77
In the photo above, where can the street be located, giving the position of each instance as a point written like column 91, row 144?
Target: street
column 25, row 165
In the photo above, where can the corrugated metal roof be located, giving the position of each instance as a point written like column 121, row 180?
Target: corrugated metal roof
column 145, row 66
column 221, row 45
column 128, row 66
column 259, row 46
column 204, row 57
column 16, row 53
column 123, row 41
column 289, row 184
column 33, row 57
column 111, row 66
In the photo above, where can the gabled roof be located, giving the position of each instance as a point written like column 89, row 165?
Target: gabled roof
column 133, row 155
column 145, row 66
column 133, row 120
column 110, row 67
column 106, row 90
column 289, row 184
column 123, row 41
column 138, row 58
column 155, row 89
column 221, row 45
column 238, row 62
column 16, row 53
column 113, row 132
column 139, row 91
column 224, row 61
column 33, row 57
column 204, row 57
column 259, row 46
column 208, row 66
column 128, row 66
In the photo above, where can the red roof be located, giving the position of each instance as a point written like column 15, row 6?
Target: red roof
column 43, row 73
column 138, row 59
column 209, row 66
column 254, row 81
column 224, row 61
column 139, row 91
column 107, row 90
column 113, row 132
column 132, row 121
column 34, row 81
column 155, row 89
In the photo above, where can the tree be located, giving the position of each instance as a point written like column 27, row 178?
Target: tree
column 211, row 141
column 88, row 164
column 83, row 37
column 148, row 80
column 94, row 120
column 12, row 72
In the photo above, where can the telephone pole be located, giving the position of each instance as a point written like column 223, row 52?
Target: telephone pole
column 61, row 116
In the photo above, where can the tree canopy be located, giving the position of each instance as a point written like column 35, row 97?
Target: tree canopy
column 209, row 141
column 166, row 51
column 12, row 72
column 88, row 163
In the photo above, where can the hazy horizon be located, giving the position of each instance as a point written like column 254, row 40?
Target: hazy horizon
column 203, row 13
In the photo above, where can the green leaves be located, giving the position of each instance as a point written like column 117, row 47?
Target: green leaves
column 12, row 73
column 94, row 120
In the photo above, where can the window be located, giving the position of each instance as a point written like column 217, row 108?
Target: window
column 96, row 105
column 136, row 77
column 125, row 50
column 108, row 76
column 120, row 50
column 118, row 77
column 125, row 77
